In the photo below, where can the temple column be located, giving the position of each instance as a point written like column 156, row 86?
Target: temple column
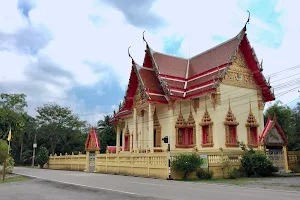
column 150, row 128
column 118, row 139
column 123, row 139
column 135, row 132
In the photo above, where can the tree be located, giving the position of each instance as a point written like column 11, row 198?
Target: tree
column 107, row 133
column 56, row 124
column 284, row 116
column 42, row 157
column 11, row 110
column 294, row 136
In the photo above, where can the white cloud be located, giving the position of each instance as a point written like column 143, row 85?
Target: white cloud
column 91, row 31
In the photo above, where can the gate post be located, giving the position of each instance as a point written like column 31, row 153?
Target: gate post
column 286, row 161
column 87, row 162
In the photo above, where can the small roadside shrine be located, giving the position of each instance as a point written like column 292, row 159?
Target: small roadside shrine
column 92, row 147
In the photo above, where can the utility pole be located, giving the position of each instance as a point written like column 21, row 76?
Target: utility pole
column 34, row 147
column 166, row 139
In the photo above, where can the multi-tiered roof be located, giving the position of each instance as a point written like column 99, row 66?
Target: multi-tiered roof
column 164, row 77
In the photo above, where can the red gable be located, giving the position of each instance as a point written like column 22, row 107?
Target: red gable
column 92, row 143
column 272, row 133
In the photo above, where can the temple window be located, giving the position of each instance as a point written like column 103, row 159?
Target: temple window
column 127, row 139
column 156, row 131
column 251, row 126
column 185, row 131
column 231, row 129
column 207, row 134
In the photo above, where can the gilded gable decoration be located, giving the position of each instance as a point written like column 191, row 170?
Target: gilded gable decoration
column 239, row 74
column 140, row 100
column 216, row 98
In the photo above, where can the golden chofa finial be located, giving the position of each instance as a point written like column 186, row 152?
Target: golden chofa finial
column 144, row 37
column 248, row 16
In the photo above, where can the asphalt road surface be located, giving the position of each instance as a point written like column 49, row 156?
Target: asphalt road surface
column 144, row 188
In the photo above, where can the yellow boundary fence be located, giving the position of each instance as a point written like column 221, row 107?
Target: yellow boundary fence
column 151, row 164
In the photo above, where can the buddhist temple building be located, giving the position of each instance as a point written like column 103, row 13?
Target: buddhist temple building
column 211, row 100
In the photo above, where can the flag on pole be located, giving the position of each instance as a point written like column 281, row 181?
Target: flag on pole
column 9, row 135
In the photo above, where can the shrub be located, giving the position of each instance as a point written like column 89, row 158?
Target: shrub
column 257, row 163
column 204, row 174
column 234, row 173
column 9, row 165
column 186, row 163
column 43, row 157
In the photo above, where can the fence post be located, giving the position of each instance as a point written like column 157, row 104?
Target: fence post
column 131, row 163
column 106, row 162
column 87, row 163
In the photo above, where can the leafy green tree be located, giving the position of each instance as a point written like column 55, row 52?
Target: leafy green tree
column 294, row 136
column 186, row 163
column 57, row 123
column 43, row 157
column 284, row 116
column 107, row 133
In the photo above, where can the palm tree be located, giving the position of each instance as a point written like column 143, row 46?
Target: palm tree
column 107, row 133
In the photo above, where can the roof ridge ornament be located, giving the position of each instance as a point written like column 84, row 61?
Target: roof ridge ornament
column 130, row 55
column 144, row 38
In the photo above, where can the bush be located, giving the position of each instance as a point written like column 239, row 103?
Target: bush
column 257, row 163
column 186, row 163
column 204, row 174
column 43, row 157
column 234, row 173
column 9, row 165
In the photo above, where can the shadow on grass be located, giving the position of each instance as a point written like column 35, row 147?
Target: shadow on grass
column 14, row 179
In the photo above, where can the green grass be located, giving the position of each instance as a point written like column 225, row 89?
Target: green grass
column 239, row 181
column 13, row 179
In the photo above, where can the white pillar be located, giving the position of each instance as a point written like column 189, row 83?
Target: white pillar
column 150, row 128
column 118, row 139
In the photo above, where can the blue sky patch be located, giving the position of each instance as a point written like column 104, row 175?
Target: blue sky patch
column 265, row 12
column 172, row 45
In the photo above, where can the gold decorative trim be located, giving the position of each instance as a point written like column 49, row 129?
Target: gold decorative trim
column 206, row 121
column 260, row 101
column 230, row 120
column 251, row 123
column 157, row 128
column 190, row 124
column 195, row 103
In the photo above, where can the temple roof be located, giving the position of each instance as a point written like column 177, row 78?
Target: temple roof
column 272, row 133
column 92, row 142
column 163, row 77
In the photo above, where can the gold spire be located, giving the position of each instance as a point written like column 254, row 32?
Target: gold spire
column 180, row 123
column 251, row 121
column 230, row 118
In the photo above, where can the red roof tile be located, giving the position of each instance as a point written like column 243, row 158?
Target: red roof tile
column 213, row 58
column 150, row 80
column 170, row 65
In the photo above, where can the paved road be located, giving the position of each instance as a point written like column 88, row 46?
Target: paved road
column 36, row 189
column 156, row 188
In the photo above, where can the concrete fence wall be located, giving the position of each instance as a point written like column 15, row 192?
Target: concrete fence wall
column 152, row 164
column 294, row 161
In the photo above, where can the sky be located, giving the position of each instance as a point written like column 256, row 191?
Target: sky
column 74, row 53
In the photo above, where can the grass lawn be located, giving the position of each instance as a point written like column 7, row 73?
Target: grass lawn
column 13, row 179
